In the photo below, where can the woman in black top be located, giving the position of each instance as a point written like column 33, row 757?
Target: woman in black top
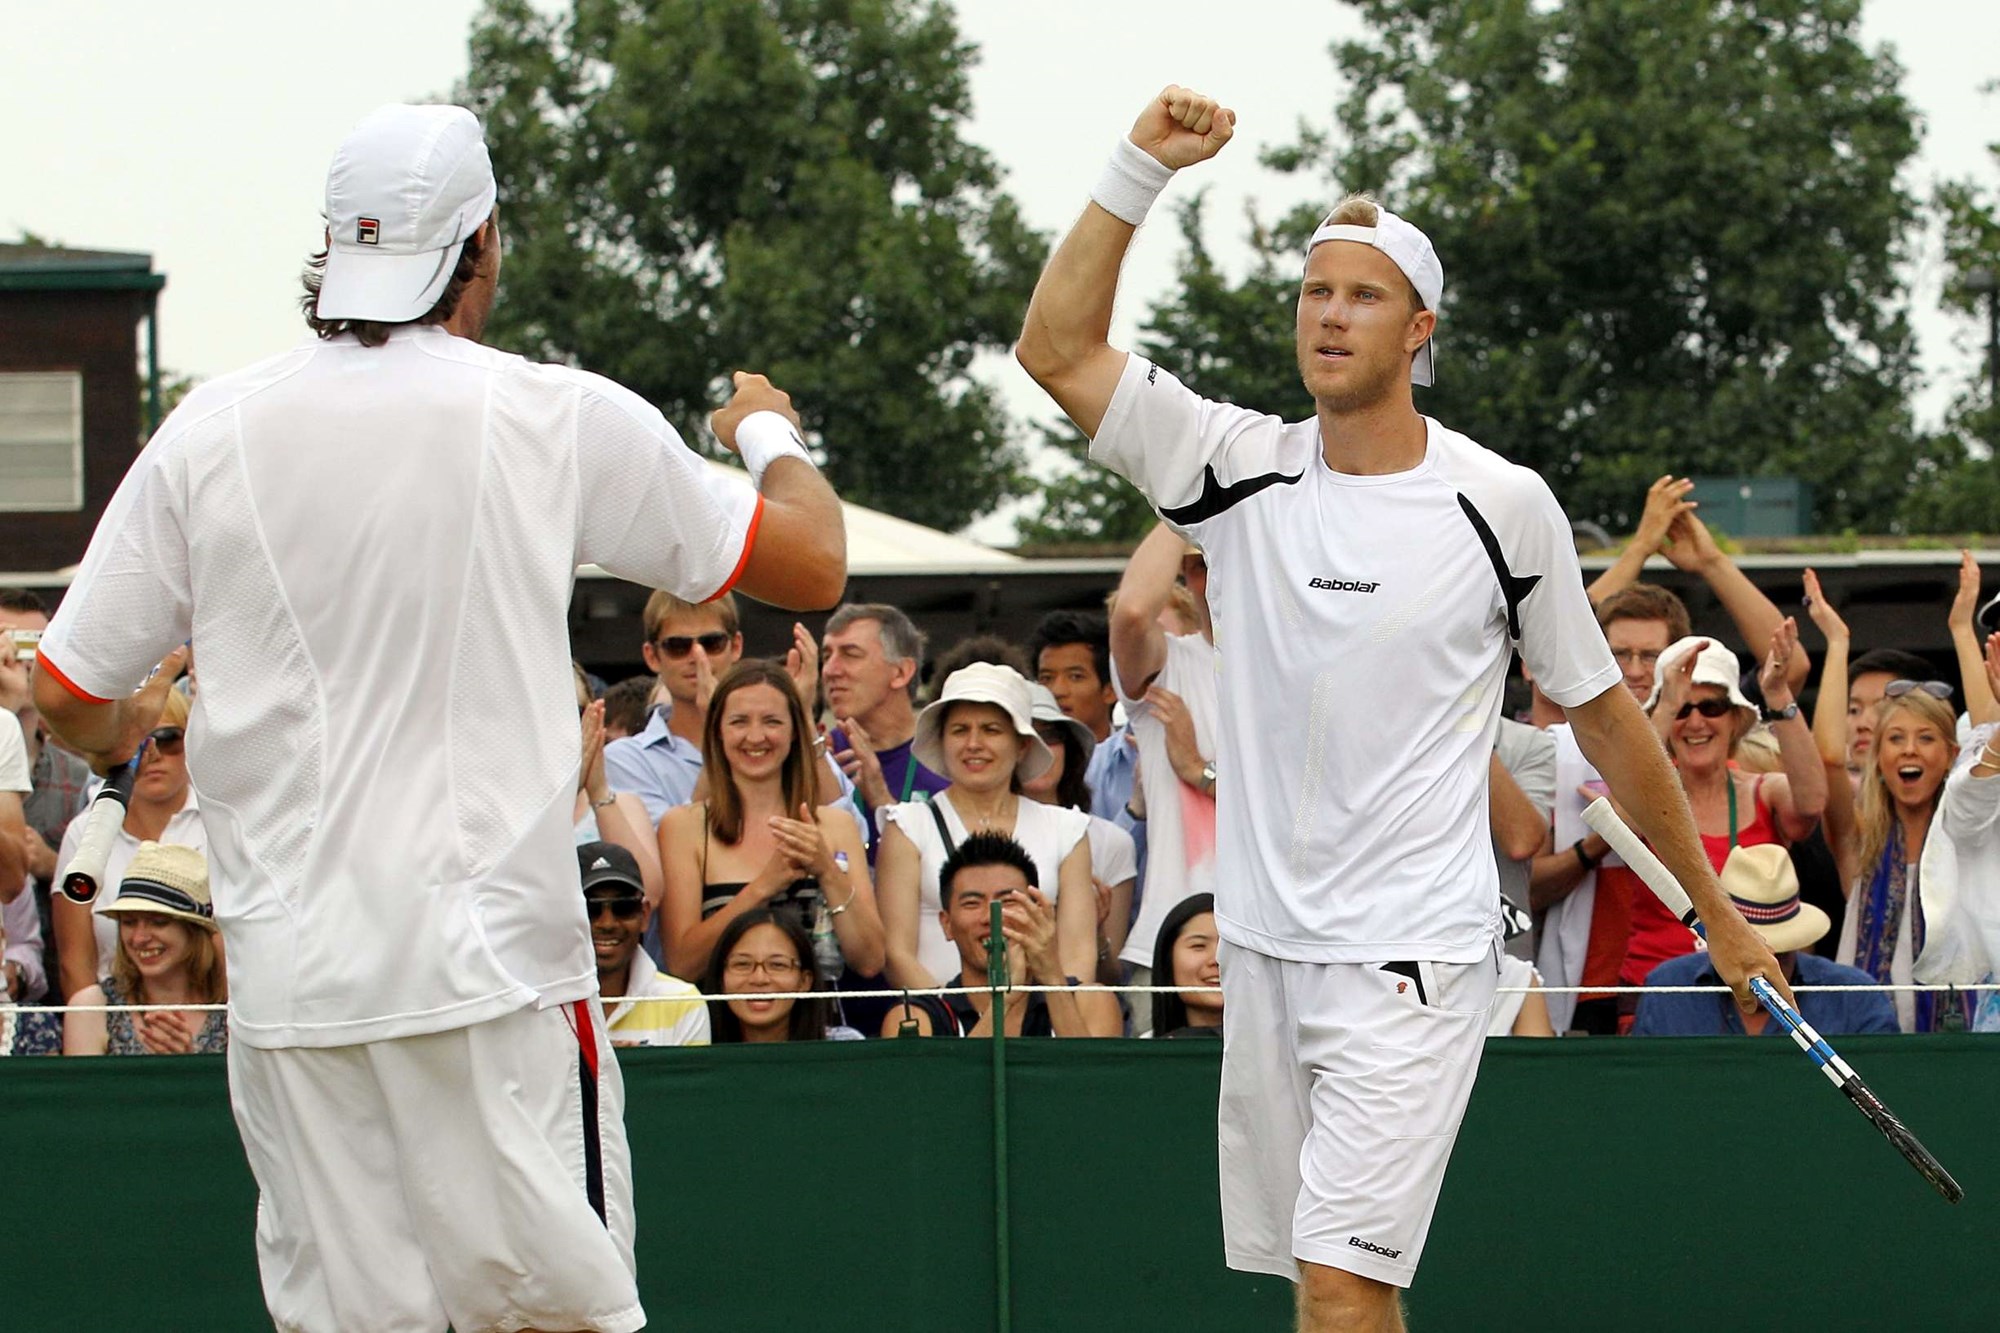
column 1187, row 943
column 757, row 841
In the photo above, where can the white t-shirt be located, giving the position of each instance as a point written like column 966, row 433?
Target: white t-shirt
column 16, row 774
column 1180, row 821
column 373, row 551
column 1364, row 625
column 1114, row 857
column 184, row 827
column 1048, row 833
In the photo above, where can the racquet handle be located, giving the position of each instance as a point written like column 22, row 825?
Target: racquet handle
column 100, row 830
column 1648, row 867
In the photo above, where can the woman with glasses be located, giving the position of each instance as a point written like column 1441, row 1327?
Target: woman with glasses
column 160, row 809
column 761, row 840
column 760, row 953
column 167, row 953
column 1701, row 715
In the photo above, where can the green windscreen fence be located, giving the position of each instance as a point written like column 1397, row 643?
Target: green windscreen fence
column 1597, row 1185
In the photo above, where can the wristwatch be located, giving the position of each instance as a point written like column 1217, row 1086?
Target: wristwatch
column 1785, row 714
column 1208, row 778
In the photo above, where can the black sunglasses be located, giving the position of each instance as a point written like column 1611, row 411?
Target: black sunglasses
column 1706, row 707
column 168, row 740
column 1936, row 689
column 680, row 645
column 624, row 909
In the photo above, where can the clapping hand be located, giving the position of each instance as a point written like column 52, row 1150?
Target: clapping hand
column 803, row 842
column 590, row 772
column 863, row 769
column 1690, row 545
column 1771, row 675
column 1822, row 613
column 166, row 1031
column 1028, row 921
column 1966, row 601
column 802, row 665
column 1666, row 501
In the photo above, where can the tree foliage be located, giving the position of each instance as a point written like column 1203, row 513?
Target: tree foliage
column 1670, row 231
column 693, row 186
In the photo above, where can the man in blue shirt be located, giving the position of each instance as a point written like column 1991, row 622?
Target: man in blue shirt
column 689, row 648
column 1765, row 888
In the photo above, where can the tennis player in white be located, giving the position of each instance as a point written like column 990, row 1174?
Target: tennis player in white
column 1369, row 572
column 372, row 540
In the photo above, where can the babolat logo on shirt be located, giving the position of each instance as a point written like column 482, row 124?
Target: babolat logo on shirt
column 1373, row 1248
column 367, row 231
column 1342, row 585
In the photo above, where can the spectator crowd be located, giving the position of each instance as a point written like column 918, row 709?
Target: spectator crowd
column 761, row 842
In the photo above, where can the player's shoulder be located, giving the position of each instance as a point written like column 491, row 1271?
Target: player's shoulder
column 212, row 399
column 1258, row 442
column 1471, row 466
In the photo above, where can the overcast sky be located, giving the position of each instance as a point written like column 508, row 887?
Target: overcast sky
column 201, row 134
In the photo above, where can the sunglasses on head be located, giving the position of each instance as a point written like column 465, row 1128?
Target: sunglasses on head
column 1936, row 689
column 1710, row 708
column 168, row 740
column 680, row 645
column 622, row 909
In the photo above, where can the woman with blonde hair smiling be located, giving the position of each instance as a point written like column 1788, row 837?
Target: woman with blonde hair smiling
column 168, row 953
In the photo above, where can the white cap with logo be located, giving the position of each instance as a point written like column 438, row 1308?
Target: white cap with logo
column 1410, row 250
column 407, row 186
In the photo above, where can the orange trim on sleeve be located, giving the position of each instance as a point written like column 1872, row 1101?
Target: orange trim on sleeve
column 742, row 561
column 42, row 660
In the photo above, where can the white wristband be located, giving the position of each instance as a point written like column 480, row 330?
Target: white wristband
column 762, row 438
column 1132, row 180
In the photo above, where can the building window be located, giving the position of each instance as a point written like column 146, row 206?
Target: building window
column 41, row 441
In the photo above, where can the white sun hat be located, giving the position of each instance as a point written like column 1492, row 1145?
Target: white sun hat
column 1715, row 666
column 984, row 683
column 1411, row 251
column 1044, row 708
column 406, row 187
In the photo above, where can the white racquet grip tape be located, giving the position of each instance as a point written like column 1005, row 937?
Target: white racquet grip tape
column 1648, row 867
column 762, row 438
column 85, row 873
column 1132, row 180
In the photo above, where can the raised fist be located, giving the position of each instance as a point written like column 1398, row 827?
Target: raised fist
column 753, row 393
column 1181, row 127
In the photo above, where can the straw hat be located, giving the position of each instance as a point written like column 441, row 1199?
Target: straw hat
column 1715, row 666
column 165, row 879
column 984, row 683
column 1761, row 882
column 1044, row 708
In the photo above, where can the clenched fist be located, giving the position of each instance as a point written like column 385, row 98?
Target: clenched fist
column 1181, row 127
column 753, row 393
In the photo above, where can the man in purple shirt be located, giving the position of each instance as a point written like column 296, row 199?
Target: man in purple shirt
column 870, row 661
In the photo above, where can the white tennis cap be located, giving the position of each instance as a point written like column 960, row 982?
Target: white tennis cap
column 1411, row 252
column 407, row 186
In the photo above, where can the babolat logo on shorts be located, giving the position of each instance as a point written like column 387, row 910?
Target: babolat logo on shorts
column 367, row 231
column 1373, row 1248
column 1342, row 585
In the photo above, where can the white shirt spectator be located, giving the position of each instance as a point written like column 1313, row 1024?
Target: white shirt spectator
column 1960, row 878
column 387, row 768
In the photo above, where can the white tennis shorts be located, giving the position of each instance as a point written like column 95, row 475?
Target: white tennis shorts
column 1343, row 1085
column 477, row 1177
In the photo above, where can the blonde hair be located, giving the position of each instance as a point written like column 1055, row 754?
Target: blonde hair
column 175, row 714
column 663, row 606
column 1759, row 753
column 1876, row 815
column 1364, row 210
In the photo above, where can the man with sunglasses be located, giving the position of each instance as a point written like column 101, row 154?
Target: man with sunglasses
column 1370, row 572
column 688, row 647
column 646, row 1007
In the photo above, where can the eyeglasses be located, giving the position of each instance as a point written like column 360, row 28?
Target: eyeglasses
column 623, row 909
column 1936, row 689
column 1636, row 656
column 1706, row 707
column 680, row 645
column 171, row 740
column 778, row 969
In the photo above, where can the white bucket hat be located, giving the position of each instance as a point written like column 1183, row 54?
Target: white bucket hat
column 984, row 683
column 406, row 187
column 1715, row 666
column 1411, row 251
column 1761, row 882
column 1044, row 708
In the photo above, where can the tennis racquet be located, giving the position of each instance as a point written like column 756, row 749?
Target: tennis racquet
column 1600, row 816
column 101, row 824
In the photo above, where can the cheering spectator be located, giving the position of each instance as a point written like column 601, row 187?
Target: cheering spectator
column 1981, row 705
column 688, row 647
column 761, row 841
column 599, row 813
column 1912, row 747
column 1114, row 862
column 646, row 1007
column 1765, row 888
column 162, row 809
column 983, row 869
column 1167, row 684
column 1961, row 866
column 1868, row 676
column 627, row 706
column 1187, row 947
column 980, row 731
column 1072, row 655
column 763, row 952
column 1702, row 716
column 167, row 952
column 871, row 658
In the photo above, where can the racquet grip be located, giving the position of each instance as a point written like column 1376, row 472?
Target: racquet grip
column 100, row 831
column 1648, row 867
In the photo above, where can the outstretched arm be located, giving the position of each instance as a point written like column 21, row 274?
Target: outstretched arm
column 1665, row 501
column 1065, row 341
column 1980, row 704
column 1756, row 616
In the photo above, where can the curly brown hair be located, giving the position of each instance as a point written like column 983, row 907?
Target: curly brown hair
column 373, row 333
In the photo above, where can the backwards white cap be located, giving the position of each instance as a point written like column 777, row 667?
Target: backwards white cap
column 1410, row 250
column 407, row 186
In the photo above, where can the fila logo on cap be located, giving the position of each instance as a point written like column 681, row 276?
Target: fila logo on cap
column 367, row 231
